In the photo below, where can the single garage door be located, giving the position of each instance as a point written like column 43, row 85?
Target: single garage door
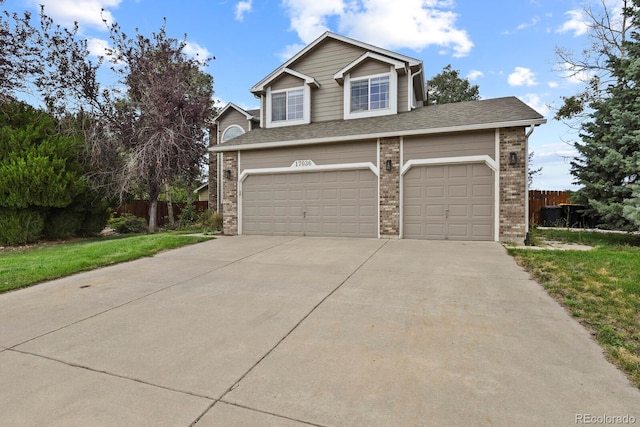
column 454, row 202
column 332, row 203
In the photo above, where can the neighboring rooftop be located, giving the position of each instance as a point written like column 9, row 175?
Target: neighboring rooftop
column 460, row 116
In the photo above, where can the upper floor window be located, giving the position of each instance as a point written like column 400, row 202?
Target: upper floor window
column 231, row 132
column 287, row 105
column 370, row 94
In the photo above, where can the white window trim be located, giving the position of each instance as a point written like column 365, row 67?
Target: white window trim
column 230, row 127
column 393, row 96
column 306, row 113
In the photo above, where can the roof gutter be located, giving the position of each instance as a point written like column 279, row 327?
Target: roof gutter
column 358, row 137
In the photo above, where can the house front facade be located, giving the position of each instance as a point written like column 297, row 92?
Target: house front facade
column 344, row 145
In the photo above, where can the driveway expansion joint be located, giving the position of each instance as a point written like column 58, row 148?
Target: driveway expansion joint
column 272, row 349
column 248, row 408
column 112, row 374
column 145, row 296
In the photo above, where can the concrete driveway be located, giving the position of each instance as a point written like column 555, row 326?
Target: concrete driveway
column 303, row 331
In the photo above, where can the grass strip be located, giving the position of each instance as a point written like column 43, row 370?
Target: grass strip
column 27, row 267
column 600, row 288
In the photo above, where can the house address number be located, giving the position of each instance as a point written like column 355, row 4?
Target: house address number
column 302, row 163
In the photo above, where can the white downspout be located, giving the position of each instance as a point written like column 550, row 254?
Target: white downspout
column 526, row 182
column 412, row 105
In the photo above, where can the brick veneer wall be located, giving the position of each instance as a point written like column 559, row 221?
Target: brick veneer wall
column 512, row 184
column 213, row 169
column 230, row 194
column 213, row 181
column 390, row 187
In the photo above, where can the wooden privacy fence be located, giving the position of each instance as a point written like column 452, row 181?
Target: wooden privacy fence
column 140, row 208
column 541, row 198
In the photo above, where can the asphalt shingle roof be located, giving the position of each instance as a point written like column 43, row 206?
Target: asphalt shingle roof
column 446, row 117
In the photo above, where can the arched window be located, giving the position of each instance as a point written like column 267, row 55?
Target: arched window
column 231, row 132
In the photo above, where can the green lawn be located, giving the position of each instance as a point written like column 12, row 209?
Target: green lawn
column 600, row 288
column 22, row 268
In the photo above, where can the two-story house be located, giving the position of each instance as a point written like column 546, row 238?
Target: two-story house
column 343, row 145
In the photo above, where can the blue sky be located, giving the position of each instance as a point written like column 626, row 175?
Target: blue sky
column 504, row 46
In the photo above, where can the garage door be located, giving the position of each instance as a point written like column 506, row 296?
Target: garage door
column 335, row 203
column 454, row 202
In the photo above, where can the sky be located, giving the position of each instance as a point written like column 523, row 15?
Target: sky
column 506, row 47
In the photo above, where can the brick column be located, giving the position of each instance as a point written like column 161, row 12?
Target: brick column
column 213, row 181
column 512, row 184
column 213, row 168
column 390, row 187
column 230, row 194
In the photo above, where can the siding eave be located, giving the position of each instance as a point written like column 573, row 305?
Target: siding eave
column 295, row 142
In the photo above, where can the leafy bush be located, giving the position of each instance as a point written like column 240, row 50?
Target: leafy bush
column 20, row 226
column 188, row 216
column 128, row 223
column 210, row 220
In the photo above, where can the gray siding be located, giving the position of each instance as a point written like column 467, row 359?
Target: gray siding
column 403, row 98
column 322, row 63
column 449, row 145
column 286, row 81
column 352, row 152
column 232, row 117
column 370, row 67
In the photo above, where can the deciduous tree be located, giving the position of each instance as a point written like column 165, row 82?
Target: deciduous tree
column 154, row 132
column 607, row 29
column 447, row 87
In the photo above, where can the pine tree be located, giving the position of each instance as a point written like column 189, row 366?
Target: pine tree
column 609, row 161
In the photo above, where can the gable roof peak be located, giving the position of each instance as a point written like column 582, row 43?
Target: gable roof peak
column 411, row 62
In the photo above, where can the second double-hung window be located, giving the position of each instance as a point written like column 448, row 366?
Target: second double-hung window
column 287, row 105
column 370, row 94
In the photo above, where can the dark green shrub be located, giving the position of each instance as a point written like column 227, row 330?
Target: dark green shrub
column 62, row 224
column 20, row 226
column 94, row 221
column 128, row 223
column 187, row 217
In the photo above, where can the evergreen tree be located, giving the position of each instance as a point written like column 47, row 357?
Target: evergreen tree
column 609, row 161
column 40, row 172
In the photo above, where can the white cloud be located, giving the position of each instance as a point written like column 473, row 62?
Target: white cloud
column 416, row 25
column 195, row 51
column 241, row 8
column 97, row 47
column 309, row 17
column 87, row 12
column 522, row 77
column 290, row 50
column 533, row 100
column 578, row 23
column 574, row 74
column 553, row 85
column 531, row 23
column 474, row 74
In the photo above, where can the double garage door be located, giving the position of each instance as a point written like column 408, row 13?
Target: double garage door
column 453, row 202
column 331, row 203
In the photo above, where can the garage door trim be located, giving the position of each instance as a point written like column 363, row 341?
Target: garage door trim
column 491, row 163
column 450, row 160
column 304, row 169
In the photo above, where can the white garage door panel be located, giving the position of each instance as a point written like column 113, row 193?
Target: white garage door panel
column 453, row 202
column 335, row 203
